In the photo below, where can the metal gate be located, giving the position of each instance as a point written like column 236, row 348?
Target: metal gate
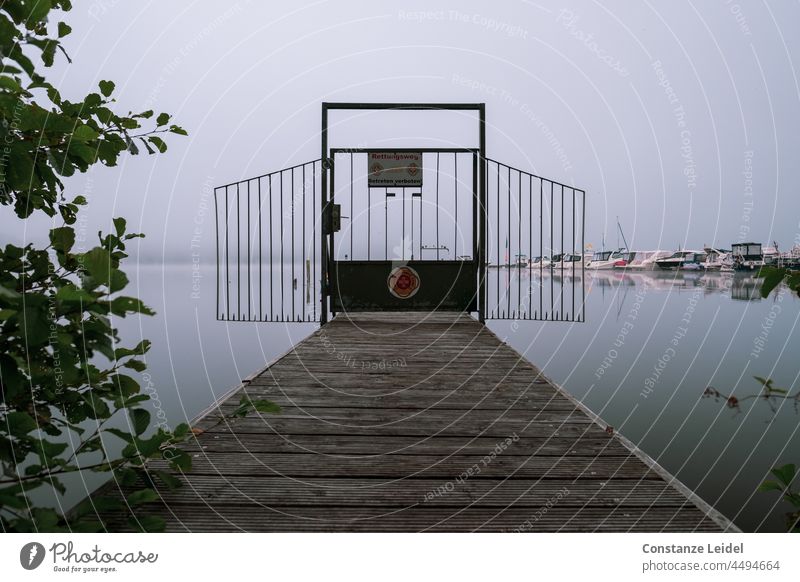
column 462, row 232
column 404, row 247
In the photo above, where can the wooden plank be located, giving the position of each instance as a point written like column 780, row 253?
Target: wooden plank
column 404, row 422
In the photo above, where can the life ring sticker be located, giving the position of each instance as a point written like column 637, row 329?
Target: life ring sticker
column 403, row 282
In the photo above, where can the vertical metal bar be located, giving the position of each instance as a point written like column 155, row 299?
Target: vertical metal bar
column 530, row 243
column 475, row 226
column 482, row 206
column 332, row 236
column 573, row 254
column 583, row 263
column 541, row 248
column 497, row 307
column 508, row 240
column 291, row 218
column 216, row 240
column 323, row 200
column 314, row 238
column 403, row 236
column 271, row 267
column 437, row 206
column 238, row 257
column 352, row 209
column 386, row 222
column 562, row 256
column 412, row 226
column 249, row 284
column 552, row 269
column 303, row 205
column 282, row 231
column 227, row 259
column 260, row 258
column 519, row 243
column 455, row 196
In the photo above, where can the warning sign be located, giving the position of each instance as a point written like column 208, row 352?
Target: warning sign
column 394, row 169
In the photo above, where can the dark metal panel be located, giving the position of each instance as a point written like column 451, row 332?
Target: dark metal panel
column 364, row 286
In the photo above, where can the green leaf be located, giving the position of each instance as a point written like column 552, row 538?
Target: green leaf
column 123, row 305
column 63, row 29
column 142, row 496
column 177, row 130
column 785, row 474
column 141, row 349
column 140, row 419
column 180, row 460
column 126, row 385
column 106, row 88
column 770, row 486
column 62, row 238
column 119, row 281
column 158, row 143
column 98, row 263
column 119, row 225
column 171, row 481
column 137, row 365
column 247, row 405
column 20, row 423
column 84, row 133
column 126, row 436
column 162, row 119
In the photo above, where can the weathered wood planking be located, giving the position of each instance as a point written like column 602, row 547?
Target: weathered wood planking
column 412, row 422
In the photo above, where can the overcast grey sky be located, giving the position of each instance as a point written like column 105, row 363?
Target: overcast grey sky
column 661, row 111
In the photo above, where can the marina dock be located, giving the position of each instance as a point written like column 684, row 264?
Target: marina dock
column 408, row 422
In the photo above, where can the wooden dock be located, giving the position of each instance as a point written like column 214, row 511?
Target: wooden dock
column 410, row 422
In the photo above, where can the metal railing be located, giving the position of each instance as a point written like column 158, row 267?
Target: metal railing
column 268, row 246
column 534, row 273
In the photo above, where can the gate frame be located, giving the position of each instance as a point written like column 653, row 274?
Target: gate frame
column 326, row 244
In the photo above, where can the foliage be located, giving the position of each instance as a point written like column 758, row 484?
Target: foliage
column 67, row 387
column 784, row 476
column 774, row 275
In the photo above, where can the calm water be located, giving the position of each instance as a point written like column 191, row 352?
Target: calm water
column 649, row 348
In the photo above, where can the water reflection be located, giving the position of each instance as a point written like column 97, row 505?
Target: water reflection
column 670, row 359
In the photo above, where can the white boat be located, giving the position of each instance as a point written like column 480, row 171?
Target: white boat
column 675, row 261
column 540, row 263
column 604, row 260
column 569, row 261
column 641, row 260
column 716, row 259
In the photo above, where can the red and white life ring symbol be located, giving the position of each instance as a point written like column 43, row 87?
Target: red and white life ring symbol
column 403, row 282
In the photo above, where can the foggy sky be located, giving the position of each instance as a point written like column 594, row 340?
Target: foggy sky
column 681, row 118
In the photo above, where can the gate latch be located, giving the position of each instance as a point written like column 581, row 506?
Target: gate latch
column 333, row 218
